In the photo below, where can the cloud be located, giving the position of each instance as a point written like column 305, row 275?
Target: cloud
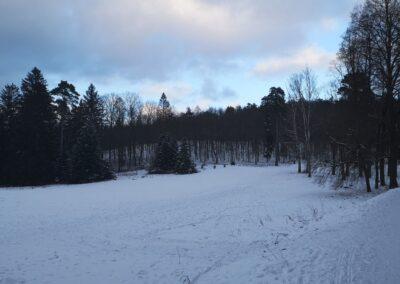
column 175, row 91
column 210, row 91
column 228, row 93
column 153, row 39
column 311, row 56
column 197, row 51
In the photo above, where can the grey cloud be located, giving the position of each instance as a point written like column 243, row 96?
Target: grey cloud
column 152, row 39
column 211, row 91
column 228, row 93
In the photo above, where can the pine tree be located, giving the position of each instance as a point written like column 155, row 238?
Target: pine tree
column 66, row 97
column 166, row 156
column 184, row 164
column 274, row 108
column 37, row 132
column 66, row 101
column 87, row 164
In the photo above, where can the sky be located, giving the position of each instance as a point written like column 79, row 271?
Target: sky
column 199, row 52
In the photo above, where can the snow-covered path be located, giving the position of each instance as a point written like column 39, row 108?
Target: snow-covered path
column 229, row 225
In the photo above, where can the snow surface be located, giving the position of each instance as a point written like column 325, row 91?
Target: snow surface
column 228, row 225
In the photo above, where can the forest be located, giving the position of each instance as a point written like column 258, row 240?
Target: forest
column 348, row 133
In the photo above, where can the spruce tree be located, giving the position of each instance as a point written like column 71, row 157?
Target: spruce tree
column 184, row 164
column 36, row 132
column 166, row 156
column 93, row 108
column 164, row 111
column 87, row 164
column 10, row 103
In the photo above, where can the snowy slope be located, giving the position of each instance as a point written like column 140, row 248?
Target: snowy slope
column 229, row 225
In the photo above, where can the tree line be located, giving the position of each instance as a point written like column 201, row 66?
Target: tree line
column 369, row 89
column 350, row 134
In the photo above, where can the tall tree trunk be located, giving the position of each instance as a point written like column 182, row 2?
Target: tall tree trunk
column 376, row 174
column 347, row 169
column 276, row 145
column 134, row 155
column 366, row 176
column 308, row 160
column 333, row 147
column 299, row 158
column 129, row 156
column 62, row 139
column 393, row 146
column 382, row 172
column 342, row 164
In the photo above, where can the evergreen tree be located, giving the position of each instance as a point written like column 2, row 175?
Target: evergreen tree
column 184, row 163
column 66, row 97
column 10, row 103
column 120, row 109
column 93, row 108
column 274, row 108
column 86, row 124
column 164, row 108
column 87, row 164
column 36, row 132
column 358, row 100
column 63, row 167
column 189, row 112
column 166, row 156
column 66, row 100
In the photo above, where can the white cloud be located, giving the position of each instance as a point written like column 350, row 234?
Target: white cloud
column 311, row 56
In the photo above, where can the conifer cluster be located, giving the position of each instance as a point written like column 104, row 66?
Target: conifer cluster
column 169, row 159
column 50, row 136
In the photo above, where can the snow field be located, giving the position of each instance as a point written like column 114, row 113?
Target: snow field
column 228, row 225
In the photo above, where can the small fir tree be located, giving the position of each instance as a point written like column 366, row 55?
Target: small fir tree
column 184, row 164
column 166, row 156
column 87, row 164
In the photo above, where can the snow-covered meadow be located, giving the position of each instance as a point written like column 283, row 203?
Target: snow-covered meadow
column 228, row 225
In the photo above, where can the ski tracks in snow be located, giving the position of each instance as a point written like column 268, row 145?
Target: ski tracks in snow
column 229, row 225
